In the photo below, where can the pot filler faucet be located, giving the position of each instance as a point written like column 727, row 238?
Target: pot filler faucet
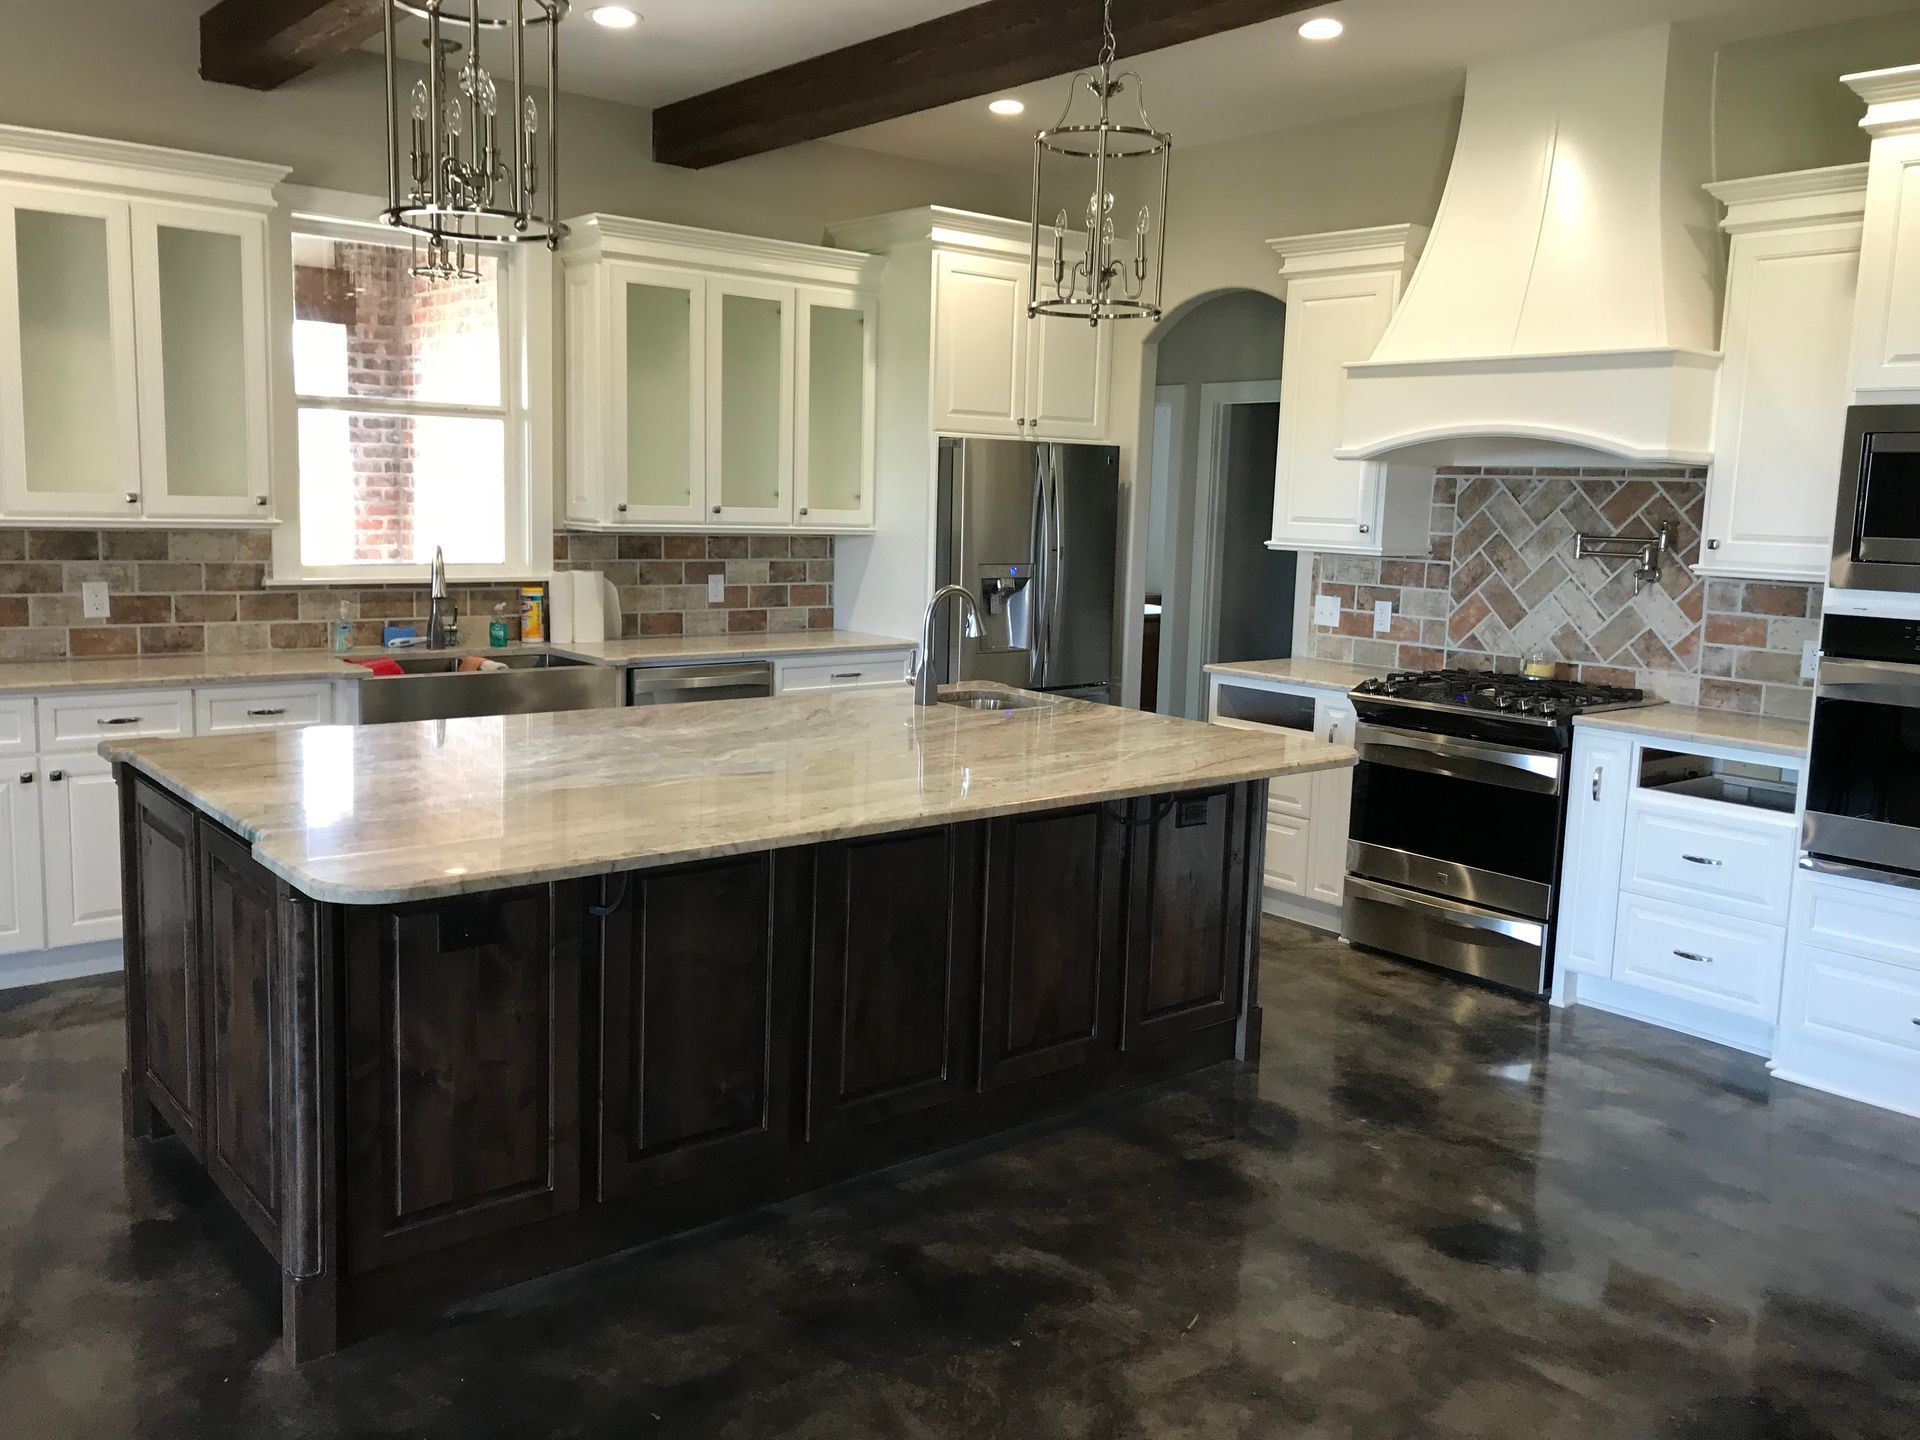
column 925, row 686
column 443, row 616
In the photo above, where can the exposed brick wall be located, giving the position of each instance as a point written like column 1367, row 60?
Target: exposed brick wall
column 1500, row 581
column 190, row 591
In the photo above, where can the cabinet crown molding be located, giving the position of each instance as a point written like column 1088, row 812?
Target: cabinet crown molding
column 1836, row 194
column 1892, row 96
column 121, row 166
column 945, row 227
column 1336, row 252
column 595, row 237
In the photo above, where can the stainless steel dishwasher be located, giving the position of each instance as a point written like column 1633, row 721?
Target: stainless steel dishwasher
column 682, row 684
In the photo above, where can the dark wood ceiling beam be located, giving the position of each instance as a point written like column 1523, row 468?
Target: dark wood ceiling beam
column 977, row 51
column 262, row 44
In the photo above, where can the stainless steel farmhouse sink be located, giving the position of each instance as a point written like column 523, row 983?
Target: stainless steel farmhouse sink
column 433, row 687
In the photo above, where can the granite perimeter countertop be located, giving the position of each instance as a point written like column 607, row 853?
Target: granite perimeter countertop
column 394, row 813
column 1301, row 670
column 1722, row 727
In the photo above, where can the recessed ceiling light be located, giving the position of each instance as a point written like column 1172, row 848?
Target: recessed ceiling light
column 614, row 17
column 1008, row 107
column 1323, row 27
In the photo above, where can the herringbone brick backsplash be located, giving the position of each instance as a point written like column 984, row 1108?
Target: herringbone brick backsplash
column 1500, row 583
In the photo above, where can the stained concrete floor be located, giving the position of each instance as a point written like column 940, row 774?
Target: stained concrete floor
column 1433, row 1212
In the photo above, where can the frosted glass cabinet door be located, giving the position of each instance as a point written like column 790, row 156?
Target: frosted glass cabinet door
column 833, row 410
column 200, row 309
column 750, row 402
column 657, row 395
column 69, row 427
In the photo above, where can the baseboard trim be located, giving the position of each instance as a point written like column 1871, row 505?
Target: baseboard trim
column 43, row 967
column 1754, row 1037
column 1316, row 913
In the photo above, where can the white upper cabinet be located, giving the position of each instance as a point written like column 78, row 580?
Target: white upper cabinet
column 1783, row 388
column 1068, row 376
column 717, row 382
column 136, row 356
column 1886, row 329
column 1341, row 290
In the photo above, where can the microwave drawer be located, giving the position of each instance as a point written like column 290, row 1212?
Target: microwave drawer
column 1691, row 954
column 1738, row 863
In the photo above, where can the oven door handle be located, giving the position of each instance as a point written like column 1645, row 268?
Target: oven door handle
column 1450, row 912
column 1878, row 681
column 1459, row 759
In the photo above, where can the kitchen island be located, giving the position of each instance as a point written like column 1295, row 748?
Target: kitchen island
column 440, row 1006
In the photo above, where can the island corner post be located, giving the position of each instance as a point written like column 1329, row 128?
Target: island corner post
column 412, row 1103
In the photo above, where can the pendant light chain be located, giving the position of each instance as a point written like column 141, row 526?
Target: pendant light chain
column 1109, row 43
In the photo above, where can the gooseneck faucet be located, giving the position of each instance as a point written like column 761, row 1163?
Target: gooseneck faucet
column 925, row 685
column 443, row 617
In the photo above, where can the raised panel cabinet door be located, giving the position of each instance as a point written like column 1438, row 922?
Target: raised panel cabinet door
column 696, row 1020
column 1886, row 337
column 980, row 334
column 836, row 370
column 1601, row 779
column 750, row 348
column 81, row 855
column 1319, row 500
column 166, row 949
column 594, row 456
column 240, row 940
column 69, row 411
column 1187, row 930
column 1782, row 405
column 1051, row 962
column 656, row 397
column 1332, row 818
column 23, row 912
column 463, row 1069
column 200, row 323
column 1069, row 364
column 895, row 933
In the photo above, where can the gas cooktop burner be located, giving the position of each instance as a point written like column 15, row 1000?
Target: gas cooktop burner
column 1500, row 694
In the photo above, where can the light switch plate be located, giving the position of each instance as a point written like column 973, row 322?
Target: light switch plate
column 1810, row 660
column 716, row 589
column 1326, row 610
column 1382, row 616
column 93, row 599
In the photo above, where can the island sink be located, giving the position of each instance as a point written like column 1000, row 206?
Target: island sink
column 439, row 1007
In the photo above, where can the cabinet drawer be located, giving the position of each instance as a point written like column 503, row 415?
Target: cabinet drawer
column 849, row 672
column 1862, row 999
column 1730, row 964
column 81, row 722
column 1291, row 796
column 1289, row 855
column 228, row 709
column 1861, row 917
column 1737, row 863
column 17, row 735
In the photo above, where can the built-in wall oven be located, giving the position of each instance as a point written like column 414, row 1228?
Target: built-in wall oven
column 1863, row 773
column 1876, row 544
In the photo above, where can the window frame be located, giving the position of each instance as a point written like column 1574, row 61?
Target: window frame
column 527, row 276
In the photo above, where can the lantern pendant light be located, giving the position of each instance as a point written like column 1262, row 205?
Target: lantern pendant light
column 453, row 179
column 1095, row 275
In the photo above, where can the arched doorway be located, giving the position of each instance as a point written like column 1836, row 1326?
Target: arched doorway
column 1213, row 590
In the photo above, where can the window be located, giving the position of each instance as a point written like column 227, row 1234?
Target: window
column 409, row 417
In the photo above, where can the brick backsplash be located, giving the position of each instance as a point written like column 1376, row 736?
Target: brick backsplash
column 1500, row 582
column 184, row 592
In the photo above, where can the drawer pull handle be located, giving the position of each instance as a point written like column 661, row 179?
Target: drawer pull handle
column 1700, row 860
column 120, row 720
column 1597, row 772
column 1697, row 959
column 845, row 675
column 263, row 714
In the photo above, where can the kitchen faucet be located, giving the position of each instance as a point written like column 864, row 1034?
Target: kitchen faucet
column 443, row 616
column 925, row 686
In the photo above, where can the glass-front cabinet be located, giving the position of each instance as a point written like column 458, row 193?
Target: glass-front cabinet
column 717, row 382
column 135, row 346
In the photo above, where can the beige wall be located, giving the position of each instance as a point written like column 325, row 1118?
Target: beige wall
column 128, row 70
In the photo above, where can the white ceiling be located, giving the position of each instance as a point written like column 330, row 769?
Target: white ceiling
column 1394, row 53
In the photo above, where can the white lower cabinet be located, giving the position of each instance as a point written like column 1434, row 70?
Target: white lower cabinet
column 22, row 917
column 1590, row 858
column 842, row 672
column 1693, row 954
column 81, row 836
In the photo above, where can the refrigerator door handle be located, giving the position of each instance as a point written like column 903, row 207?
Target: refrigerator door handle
column 1042, row 538
column 1057, row 557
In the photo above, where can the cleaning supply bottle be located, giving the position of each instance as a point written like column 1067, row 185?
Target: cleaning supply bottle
column 343, row 629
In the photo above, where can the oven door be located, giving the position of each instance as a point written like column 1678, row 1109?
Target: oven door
column 1863, row 774
column 1473, row 821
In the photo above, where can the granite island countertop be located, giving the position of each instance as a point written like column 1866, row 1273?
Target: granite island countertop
column 395, row 813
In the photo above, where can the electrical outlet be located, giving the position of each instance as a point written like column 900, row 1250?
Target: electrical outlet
column 1810, row 660
column 1382, row 616
column 1326, row 610
column 94, row 603
column 716, row 589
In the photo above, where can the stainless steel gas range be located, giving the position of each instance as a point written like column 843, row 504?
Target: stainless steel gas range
column 1459, row 807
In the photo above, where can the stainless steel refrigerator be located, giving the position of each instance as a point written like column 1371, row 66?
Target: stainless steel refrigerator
column 1032, row 530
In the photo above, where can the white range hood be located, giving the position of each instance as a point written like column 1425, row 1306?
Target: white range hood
column 1565, row 309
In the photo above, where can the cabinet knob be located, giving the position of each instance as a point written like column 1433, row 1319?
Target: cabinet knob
column 621, row 508
column 56, row 775
column 26, row 778
column 803, row 509
column 716, row 509
column 260, row 500
column 1713, row 544
column 1366, row 529
column 133, row 497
